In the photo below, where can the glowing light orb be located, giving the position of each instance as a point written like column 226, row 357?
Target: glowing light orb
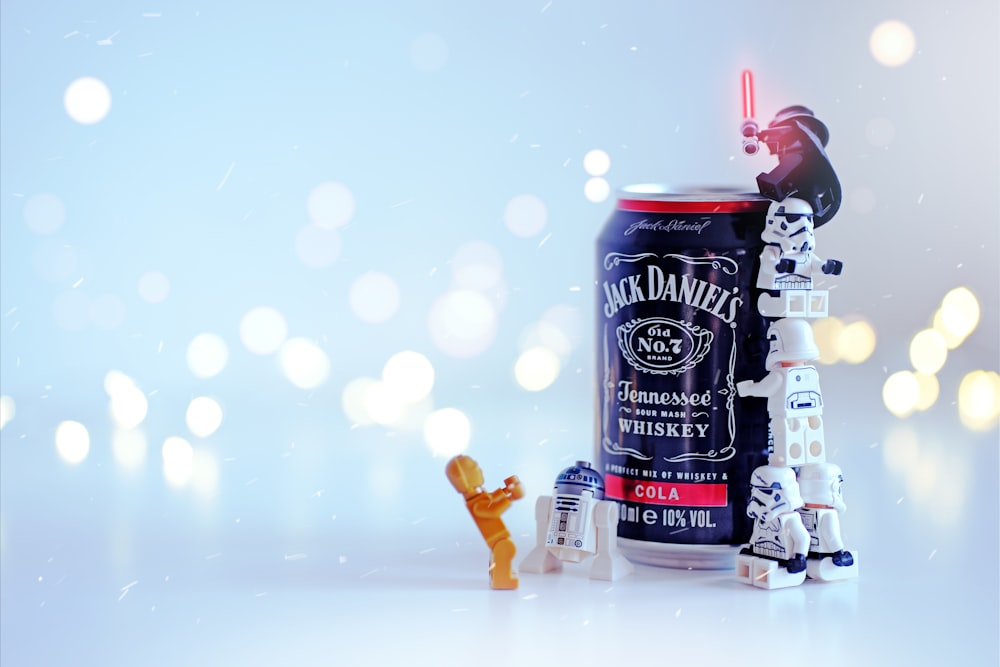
column 477, row 265
column 352, row 401
column 178, row 461
column 892, row 43
column 107, row 312
column 929, row 389
column 462, row 323
column 71, row 310
column 525, row 215
column 87, row 100
column 129, row 448
column 827, row 333
column 901, row 393
column 7, row 410
column 410, row 375
column 317, row 247
column 304, row 363
column 428, row 52
column 928, row 351
column 153, row 287
column 203, row 416
column 596, row 162
column 536, row 368
column 128, row 406
column 383, row 404
column 72, row 442
column 374, row 297
column 447, row 432
column 958, row 315
column 45, row 214
column 263, row 330
column 856, row 342
column 331, row 205
column 546, row 335
column 979, row 400
column 596, row 189
column 207, row 355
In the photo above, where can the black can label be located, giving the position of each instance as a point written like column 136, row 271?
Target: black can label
column 675, row 328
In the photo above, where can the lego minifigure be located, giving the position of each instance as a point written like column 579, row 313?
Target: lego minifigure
column 794, row 400
column 486, row 509
column 787, row 263
column 821, row 486
column 776, row 554
column 576, row 522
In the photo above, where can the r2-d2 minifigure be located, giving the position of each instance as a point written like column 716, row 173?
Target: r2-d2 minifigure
column 794, row 400
column 787, row 263
column 821, row 485
column 576, row 522
column 776, row 554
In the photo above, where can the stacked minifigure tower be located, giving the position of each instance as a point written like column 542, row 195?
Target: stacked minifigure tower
column 796, row 499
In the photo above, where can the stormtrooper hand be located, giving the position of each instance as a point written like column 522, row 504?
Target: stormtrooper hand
column 796, row 564
column 785, row 265
column 833, row 267
column 843, row 558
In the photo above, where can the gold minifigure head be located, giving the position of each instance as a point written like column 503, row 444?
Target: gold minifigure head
column 464, row 474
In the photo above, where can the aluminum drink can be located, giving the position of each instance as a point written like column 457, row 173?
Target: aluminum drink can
column 677, row 328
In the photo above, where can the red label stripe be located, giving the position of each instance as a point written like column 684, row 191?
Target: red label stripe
column 684, row 494
column 657, row 206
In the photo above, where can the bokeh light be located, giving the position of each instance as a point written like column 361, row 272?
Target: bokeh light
column 462, row 323
column 374, row 297
column 207, row 355
column 979, row 400
column 204, row 473
column 128, row 406
column 87, row 100
column 352, row 401
column 447, row 432
column 892, row 43
column 477, row 265
column 153, row 287
column 263, row 330
column 8, row 410
column 525, row 215
column 331, row 205
column 107, row 312
column 383, row 404
column 596, row 162
column 536, row 368
column 428, row 52
column 928, row 351
column 44, row 213
column 901, row 393
column 596, row 189
column 958, row 316
column 928, row 390
column 304, row 363
column 178, row 461
column 856, row 342
column 72, row 442
column 827, row 333
column 317, row 247
column 203, row 416
column 128, row 446
column 410, row 375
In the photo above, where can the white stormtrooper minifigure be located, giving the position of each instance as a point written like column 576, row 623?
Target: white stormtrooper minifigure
column 575, row 522
column 794, row 400
column 787, row 263
column 821, row 487
column 776, row 554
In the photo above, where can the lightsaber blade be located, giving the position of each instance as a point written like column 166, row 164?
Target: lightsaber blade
column 748, row 111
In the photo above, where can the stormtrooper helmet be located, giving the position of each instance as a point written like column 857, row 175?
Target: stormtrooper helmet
column 790, row 340
column 773, row 491
column 822, row 484
column 789, row 225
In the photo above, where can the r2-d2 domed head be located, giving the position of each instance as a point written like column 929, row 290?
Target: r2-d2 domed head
column 773, row 491
column 790, row 340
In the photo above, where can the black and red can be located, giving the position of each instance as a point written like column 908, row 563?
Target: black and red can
column 677, row 328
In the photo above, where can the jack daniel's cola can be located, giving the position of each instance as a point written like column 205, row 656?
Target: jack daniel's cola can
column 677, row 328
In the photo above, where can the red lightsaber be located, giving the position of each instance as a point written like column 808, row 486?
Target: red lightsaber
column 749, row 128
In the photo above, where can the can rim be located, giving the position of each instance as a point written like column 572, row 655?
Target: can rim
column 658, row 198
